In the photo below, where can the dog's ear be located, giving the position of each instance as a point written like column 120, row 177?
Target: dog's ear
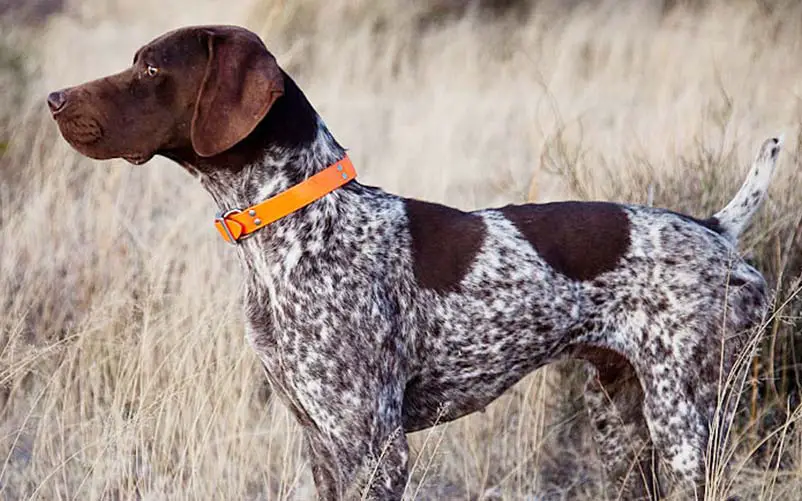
column 241, row 83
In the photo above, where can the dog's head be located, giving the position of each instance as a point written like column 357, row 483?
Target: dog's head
column 204, row 88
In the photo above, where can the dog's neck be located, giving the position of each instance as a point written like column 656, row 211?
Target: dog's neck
column 290, row 144
column 279, row 168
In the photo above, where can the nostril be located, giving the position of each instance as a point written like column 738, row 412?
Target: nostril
column 56, row 100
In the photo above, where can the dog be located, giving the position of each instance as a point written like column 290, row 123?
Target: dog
column 375, row 315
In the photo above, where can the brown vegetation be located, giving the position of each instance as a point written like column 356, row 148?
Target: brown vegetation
column 123, row 369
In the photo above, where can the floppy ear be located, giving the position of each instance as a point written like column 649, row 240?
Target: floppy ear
column 241, row 83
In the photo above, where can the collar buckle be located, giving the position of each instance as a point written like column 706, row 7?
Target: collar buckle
column 222, row 219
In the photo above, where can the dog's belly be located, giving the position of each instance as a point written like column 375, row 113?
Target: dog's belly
column 441, row 394
column 477, row 346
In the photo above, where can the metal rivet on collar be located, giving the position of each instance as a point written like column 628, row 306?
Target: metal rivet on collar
column 257, row 221
column 339, row 167
column 345, row 176
column 251, row 212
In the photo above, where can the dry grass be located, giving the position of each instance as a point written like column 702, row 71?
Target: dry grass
column 123, row 369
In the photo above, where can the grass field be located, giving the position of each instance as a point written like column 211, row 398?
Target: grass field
column 124, row 373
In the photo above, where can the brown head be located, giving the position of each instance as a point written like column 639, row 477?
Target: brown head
column 192, row 94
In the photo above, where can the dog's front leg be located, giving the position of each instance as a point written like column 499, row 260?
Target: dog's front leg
column 363, row 459
column 325, row 469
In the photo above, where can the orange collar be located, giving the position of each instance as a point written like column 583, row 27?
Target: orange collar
column 236, row 223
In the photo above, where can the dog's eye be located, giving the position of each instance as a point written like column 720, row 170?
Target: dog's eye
column 152, row 71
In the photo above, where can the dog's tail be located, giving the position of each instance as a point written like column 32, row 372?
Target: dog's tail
column 732, row 219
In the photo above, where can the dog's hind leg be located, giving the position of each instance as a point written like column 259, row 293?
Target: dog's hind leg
column 679, row 422
column 614, row 398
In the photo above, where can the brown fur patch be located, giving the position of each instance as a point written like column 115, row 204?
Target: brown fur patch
column 444, row 243
column 611, row 365
column 578, row 239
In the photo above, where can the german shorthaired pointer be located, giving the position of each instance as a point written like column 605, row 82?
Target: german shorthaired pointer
column 376, row 315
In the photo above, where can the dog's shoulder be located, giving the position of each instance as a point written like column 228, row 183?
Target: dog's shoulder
column 444, row 243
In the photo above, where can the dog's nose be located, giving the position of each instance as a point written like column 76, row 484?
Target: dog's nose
column 56, row 100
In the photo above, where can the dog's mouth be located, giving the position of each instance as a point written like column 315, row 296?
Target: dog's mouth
column 79, row 130
column 86, row 135
column 137, row 159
